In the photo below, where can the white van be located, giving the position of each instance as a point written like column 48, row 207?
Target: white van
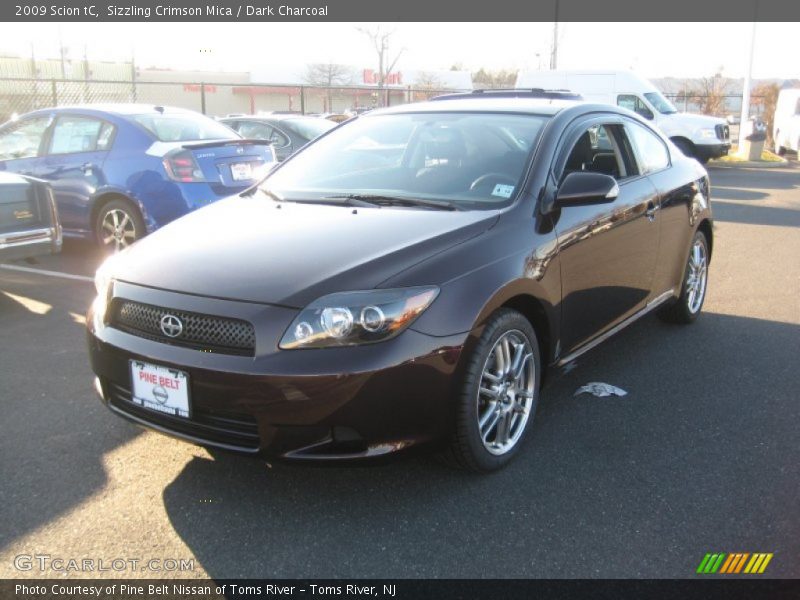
column 786, row 130
column 699, row 136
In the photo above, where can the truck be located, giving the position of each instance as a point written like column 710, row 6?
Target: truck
column 699, row 136
column 786, row 127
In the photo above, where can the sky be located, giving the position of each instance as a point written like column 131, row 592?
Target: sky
column 648, row 48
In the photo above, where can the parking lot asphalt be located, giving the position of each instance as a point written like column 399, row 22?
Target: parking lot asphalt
column 702, row 455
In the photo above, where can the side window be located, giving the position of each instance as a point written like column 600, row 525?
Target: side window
column 597, row 151
column 651, row 152
column 253, row 130
column 106, row 137
column 80, row 134
column 278, row 139
column 23, row 139
column 634, row 103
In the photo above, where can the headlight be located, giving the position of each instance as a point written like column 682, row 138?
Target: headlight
column 102, row 283
column 708, row 133
column 352, row 318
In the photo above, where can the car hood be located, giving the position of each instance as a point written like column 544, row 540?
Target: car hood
column 694, row 122
column 254, row 249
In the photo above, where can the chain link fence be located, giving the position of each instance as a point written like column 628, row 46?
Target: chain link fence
column 716, row 106
column 22, row 95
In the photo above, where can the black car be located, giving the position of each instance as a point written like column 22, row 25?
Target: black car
column 29, row 224
column 405, row 279
column 287, row 132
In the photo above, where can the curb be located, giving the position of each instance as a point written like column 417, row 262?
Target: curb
column 750, row 164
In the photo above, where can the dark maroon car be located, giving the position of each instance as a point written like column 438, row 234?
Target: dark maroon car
column 404, row 279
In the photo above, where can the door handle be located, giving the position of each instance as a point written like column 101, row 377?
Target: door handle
column 652, row 209
column 87, row 168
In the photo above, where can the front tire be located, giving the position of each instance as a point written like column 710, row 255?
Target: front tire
column 498, row 395
column 686, row 147
column 695, row 283
column 118, row 225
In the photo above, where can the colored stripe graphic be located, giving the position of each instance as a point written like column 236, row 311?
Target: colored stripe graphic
column 727, row 564
column 737, row 562
column 766, row 562
column 703, row 563
column 717, row 563
column 740, row 564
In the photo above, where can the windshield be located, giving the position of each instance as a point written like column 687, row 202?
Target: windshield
column 184, row 128
column 660, row 103
column 309, row 128
column 474, row 160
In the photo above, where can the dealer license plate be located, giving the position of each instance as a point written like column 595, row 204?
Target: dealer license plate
column 160, row 389
column 241, row 171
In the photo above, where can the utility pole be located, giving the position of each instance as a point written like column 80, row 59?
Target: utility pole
column 554, row 53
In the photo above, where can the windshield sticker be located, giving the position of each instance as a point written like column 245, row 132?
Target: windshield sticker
column 504, row 191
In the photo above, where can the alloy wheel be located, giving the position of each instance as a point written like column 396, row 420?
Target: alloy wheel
column 696, row 277
column 506, row 392
column 118, row 230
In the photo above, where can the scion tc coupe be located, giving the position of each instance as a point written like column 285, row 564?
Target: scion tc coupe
column 404, row 279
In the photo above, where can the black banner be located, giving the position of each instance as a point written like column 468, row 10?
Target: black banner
column 405, row 10
column 402, row 589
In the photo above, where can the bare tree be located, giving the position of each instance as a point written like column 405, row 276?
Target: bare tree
column 709, row 93
column 381, row 43
column 504, row 78
column 328, row 75
column 764, row 98
column 426, row 84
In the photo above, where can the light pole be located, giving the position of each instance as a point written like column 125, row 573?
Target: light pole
column 746, row 91
column 554, row 53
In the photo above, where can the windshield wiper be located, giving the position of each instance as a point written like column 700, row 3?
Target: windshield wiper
column 381, row 200
column 271, row 194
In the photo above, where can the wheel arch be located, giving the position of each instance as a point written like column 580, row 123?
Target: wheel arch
column 533, row 310
column 103, row 198
column 681, row 139
column 708, row 231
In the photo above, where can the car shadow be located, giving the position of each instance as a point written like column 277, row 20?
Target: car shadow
column 646, row 481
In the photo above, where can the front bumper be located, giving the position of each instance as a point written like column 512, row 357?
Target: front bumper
column 710, row 151
column 337, row 403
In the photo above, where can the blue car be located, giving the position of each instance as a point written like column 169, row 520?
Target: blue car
column 119, row 172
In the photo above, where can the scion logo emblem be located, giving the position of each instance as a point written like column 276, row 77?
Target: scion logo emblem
column 171, row 326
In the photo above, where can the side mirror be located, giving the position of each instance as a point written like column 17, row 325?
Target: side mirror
column 645, row 112
column 583, row 188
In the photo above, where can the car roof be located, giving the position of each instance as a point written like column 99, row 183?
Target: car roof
column 536, row 106
column 117, row 109
column 270, row 117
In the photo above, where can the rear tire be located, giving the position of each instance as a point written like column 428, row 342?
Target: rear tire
column 118, row 225
column 498, row 396
column 687, row 307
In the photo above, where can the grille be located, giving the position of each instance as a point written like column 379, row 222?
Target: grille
column 233, row 430
column 202, row 332
column 723, row 131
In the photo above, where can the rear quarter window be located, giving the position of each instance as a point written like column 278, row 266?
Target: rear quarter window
column 184, row 128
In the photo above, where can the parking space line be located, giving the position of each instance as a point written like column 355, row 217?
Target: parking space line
column 47, row 273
